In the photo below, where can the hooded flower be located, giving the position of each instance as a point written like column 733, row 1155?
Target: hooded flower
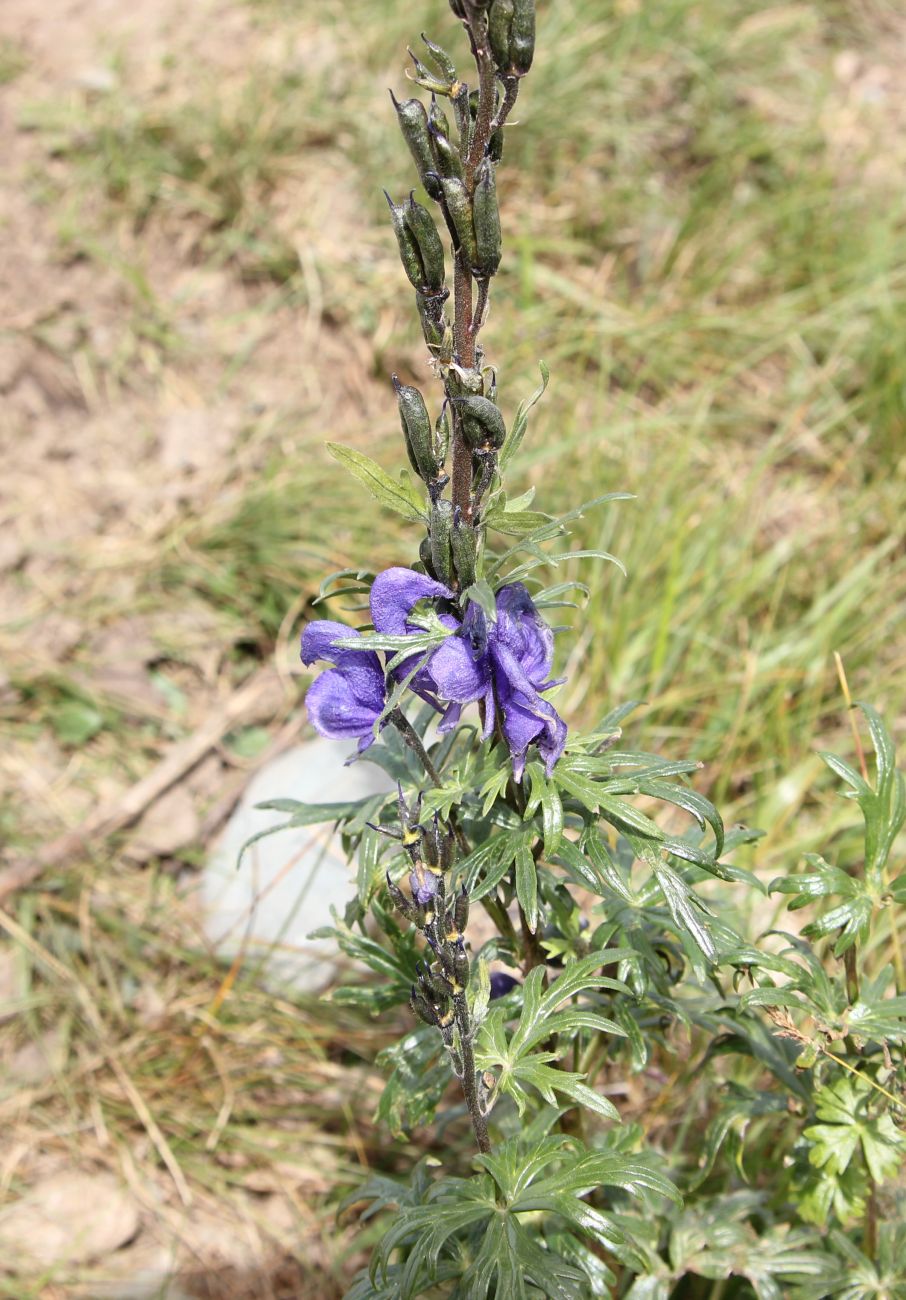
column 522, row 651
column 458, row 671
column 505, row 663
column 346, row 700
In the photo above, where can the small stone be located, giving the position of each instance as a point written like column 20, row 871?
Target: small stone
column 66, row 1219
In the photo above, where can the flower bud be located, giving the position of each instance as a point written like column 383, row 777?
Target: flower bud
column 413, row 122
column 487, row 221
column 458, row 204
column 482, row 423
column 421, row 1007
column 464, row 543
column 461, row 910
column 441, row 530
column 420, row 227
column 417, row 430
column 400, row 901
column 461, row 965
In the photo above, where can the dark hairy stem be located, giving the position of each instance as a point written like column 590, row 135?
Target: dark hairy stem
column 413, row 740
column 469, row 1088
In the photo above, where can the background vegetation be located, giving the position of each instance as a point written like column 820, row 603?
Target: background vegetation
column 202, row 287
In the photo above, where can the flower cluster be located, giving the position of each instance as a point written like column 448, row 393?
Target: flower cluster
column 502, row 663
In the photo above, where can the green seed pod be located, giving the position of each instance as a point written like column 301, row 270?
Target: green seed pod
column 420, row 226
column 463, row 383
column 410, row 254
column 417, row 430
column 446, row 156
column 413, row 122
column 425, row 78
column 456, row 198
column 437, row 118
column 500, row 22
column 441, row 531
column 424, row 554
column 421, row 1007
column 482, row 423
column 434, row 324
column 442, row 60
column 522, row 37
column 465, row 553
column 487, row 221
column 443, row 434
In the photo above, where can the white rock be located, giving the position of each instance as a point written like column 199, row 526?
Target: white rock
column 286, row 883
column 66, row 1219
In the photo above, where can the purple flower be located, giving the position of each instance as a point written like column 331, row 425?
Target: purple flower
column 458, row 671
column 346, row 700
column 505, row 664
column 501, row 984
column 522, row 650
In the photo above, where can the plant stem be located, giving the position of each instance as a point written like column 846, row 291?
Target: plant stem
column 870, row 1238
column 470, row 1092
column 413, row 740
column 852, row 975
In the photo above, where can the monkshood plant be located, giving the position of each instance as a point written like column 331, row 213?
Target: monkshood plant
column 598, row 954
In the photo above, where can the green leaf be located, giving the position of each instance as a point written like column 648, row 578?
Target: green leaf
column 527, row 884
column 481, row 594
column 520, row 423
column 394, row 495
column 628, row 819
column 516, row 523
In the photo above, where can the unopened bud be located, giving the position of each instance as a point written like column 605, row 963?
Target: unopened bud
column 400, row 901
column 461, row 964
column 461, row 909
